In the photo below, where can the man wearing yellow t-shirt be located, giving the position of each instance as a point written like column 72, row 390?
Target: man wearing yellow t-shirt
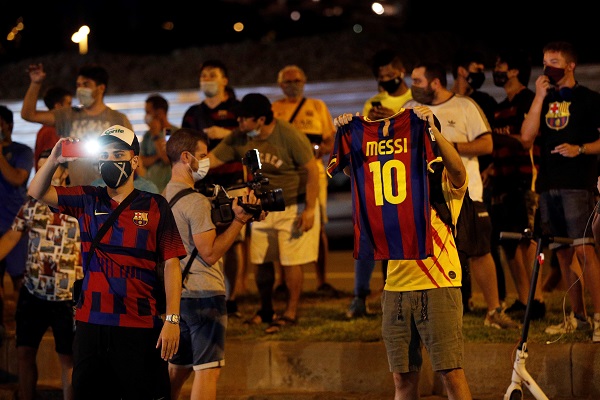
column 312, row 117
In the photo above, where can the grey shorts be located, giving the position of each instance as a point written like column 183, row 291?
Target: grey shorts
column 202, row 333
column 430, row 318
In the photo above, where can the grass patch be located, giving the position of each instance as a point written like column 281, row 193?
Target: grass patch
column 324, row 319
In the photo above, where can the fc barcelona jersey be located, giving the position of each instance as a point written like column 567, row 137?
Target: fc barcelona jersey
column 389, row 161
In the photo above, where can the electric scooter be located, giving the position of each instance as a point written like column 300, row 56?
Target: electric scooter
column 520, row 376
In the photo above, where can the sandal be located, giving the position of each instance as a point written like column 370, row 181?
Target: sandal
column 258, row 319
column 279, row 323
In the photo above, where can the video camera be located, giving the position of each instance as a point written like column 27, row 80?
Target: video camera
column 270, row 200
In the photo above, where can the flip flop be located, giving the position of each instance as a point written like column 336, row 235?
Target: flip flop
column 279, row 323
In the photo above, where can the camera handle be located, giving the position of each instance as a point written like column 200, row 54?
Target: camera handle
column 520, row 375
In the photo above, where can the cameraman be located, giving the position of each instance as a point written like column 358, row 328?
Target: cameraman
column 290, row 237
column 203, row 311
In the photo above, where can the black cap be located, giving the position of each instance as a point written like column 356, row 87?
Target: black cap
column 254, row 105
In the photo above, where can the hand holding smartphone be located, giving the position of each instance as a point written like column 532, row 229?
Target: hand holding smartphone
column 74, row 149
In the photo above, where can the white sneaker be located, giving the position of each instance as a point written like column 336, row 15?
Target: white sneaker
column 569, row 325
column 596, row 335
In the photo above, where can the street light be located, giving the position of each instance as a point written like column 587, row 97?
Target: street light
column 81, row 37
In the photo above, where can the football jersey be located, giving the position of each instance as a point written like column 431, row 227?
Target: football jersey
column 389, row 160
column 121, row 284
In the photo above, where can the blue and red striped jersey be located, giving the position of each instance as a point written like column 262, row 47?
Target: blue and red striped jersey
column 120, row 283
column 388, row 160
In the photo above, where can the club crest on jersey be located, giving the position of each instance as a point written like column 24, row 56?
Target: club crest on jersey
column 140, row 218
column 558, row 114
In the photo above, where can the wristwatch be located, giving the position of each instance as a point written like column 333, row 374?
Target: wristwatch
column 173, row 318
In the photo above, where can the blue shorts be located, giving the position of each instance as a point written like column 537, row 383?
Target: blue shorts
column 202, row 329
column 432, row 318
column 34, row 316
column 567, row 213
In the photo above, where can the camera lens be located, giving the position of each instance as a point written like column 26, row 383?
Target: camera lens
column 272, row 200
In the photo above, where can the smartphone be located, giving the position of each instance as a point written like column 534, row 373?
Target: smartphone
column 74, row 149
column 376, row 104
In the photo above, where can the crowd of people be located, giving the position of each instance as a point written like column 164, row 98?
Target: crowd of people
column 436, row 172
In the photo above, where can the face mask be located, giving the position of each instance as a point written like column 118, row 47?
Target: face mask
column 148, row 119
column 210, row 88
column 422, row 95
column 253, row 133
column 554, row 74
column 391, row 85
column 115, row 173
column 475, row 79
column 293, row 90
column 500, row 78
column 203, row 166
column 84, row 95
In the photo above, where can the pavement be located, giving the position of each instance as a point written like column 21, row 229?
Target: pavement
column 282, row 370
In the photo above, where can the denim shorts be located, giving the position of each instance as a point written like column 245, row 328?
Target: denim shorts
column 202, row 326
column 567, row 213
column 432, row 318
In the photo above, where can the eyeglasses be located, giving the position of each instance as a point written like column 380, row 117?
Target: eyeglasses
column 290, row 82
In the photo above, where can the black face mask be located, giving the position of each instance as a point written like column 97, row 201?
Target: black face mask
column 475, row 79
column 554, row 74
column 115, row 173
column 391, row 85
column 422, row 95
column 500, row 78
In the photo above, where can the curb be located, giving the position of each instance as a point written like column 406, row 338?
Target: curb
column 561, row 370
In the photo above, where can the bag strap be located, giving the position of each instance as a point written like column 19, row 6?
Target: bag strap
column 297, row 110
column 175, row 199
column 108, row 223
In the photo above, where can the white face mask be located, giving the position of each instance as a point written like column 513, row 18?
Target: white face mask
column 253, row 133
column 210, row 88
column 85, row 97
column 203, row 166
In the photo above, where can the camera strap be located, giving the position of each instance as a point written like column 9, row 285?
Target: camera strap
column 175, row 199
column 297, row 110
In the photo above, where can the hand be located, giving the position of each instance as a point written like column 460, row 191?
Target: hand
column 542, row 85
column 239, row 211
column 168, row 341
column 216, row 132
column 306, row 220
column 57, row 150
column 36, row 73
column 424, row 113
column 380, row 112
column 566, row 150
column 343, row 120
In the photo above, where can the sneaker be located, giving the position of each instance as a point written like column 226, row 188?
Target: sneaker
column 569, row 325
column 358, row 308
column 499, row 320
column 327, row 290
column 596, row 335
column 516, row 308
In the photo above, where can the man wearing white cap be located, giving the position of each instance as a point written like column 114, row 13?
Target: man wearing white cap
column 120, row 337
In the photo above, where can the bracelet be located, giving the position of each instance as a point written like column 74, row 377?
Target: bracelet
column 581, row 149
column 241, row 221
